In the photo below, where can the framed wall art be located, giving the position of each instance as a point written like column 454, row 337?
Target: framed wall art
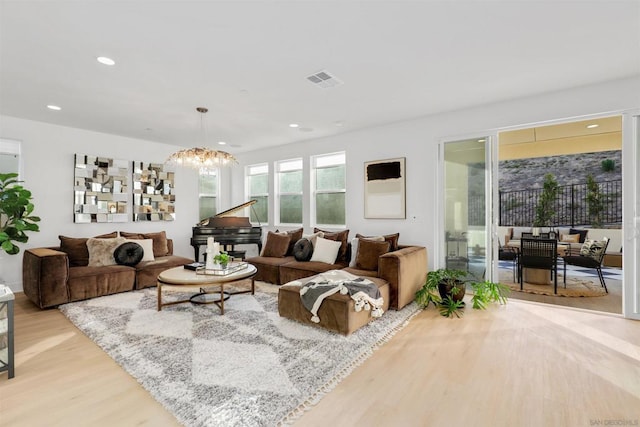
column 153, row 192
column 101, row 190
column 384, row 189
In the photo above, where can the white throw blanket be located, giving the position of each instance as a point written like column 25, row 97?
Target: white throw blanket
column 364, row 292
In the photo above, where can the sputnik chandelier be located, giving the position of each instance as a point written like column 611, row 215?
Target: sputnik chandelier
column 201, row 158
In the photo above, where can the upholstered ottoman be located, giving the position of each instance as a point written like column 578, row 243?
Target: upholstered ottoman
column 337, row 312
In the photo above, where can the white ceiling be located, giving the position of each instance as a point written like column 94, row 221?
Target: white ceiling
column 247, row 61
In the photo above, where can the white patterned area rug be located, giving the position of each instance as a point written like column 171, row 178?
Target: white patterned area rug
column 249, row 367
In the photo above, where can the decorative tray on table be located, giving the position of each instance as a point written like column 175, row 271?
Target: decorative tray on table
column 218, row 270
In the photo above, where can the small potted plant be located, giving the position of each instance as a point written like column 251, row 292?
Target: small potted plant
column 223, row 259
column 451, row 287
column 450, row 291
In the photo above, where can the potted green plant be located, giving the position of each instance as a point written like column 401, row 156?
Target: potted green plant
column 451, row 285
column 223, row 259
column 15, row 213
column 445, row 289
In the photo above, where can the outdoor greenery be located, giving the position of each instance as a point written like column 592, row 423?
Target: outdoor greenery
column 15, row 213
column 545, row 209
column 449, row 305
column 595, row 202
column 608, row 165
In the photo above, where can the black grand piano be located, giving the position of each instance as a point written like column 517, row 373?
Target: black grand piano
column 227, row 230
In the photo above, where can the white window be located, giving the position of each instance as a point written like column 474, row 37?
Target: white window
column 289, row 185
column 328, row 181
column 208, row 193
column 258, row 189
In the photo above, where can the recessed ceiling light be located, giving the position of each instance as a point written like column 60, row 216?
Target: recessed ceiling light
column 106, row 61
column 481, row 140
column 54, row 107
column 222, row 143
column 293, row 125
column 592, row 126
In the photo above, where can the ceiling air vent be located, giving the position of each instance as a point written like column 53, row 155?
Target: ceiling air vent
column 324, row 80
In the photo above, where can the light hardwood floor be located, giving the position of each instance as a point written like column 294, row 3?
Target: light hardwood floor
column 523, row 364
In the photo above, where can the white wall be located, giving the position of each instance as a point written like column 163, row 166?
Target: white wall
column 417, row 140
column 48, row 155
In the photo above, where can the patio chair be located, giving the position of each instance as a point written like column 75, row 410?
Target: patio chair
column 509, row 254
column 592, row 260
column 541, row 254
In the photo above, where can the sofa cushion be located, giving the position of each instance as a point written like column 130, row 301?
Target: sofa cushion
column 147, row 271
column 147, row 248
column 391, row 238
column 101, row 251
column 128, row 253
column 269, row 268
column 312, row 237
column 276, row 245
column 337, row 312
column 368, row 253
column 303, row 249
column 76, row 248
column 582, row 233
column 91, row 282
column 326, row 250
column 339, row 236
column 294, row 235
column 354, row 247
column 570, row 238
column 593, row 248
column 160, row 245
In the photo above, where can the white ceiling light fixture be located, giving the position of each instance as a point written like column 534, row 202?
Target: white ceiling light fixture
column 293, row 125
column 202, row 158
column 105, row 61
column 592, row 126
column 222, row 143
column 54, row 107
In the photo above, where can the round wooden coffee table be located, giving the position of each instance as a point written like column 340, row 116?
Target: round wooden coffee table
column 180, row 279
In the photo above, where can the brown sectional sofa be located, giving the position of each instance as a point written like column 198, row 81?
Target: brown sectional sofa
column 399, row 275
column 51, row 276
column 403, row 269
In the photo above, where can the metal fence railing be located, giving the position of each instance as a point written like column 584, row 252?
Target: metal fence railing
column 518, row 208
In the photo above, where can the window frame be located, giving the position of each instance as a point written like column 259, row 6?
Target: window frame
column 248, row 175
column 278, row 170
column 216, row 195
column 315, row 192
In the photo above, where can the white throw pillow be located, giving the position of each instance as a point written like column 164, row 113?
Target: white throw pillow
column 101, row 251
column 325, row 250
column 354, row 248
column 312, row 237
column 147, row 246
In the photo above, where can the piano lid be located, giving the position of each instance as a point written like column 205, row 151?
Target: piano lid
column 228, row 212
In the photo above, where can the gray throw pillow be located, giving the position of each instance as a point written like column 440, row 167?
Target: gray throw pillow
column 303, row 250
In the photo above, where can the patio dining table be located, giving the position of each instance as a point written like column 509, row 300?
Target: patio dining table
column 534, row 275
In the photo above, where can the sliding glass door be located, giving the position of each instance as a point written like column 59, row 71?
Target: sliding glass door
column 466, row 243
column 631, row 214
